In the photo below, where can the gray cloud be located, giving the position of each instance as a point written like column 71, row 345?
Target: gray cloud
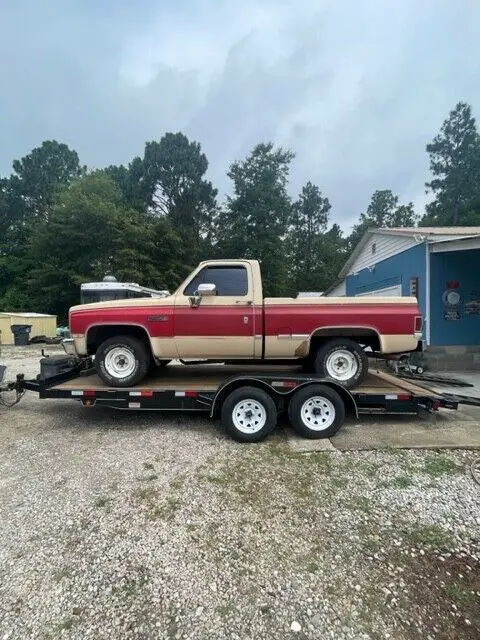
column 355, row 89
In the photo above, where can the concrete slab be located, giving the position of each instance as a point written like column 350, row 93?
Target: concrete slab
column 443, row 430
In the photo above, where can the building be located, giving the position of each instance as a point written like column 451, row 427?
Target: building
column 41, row 323
column 438, row 265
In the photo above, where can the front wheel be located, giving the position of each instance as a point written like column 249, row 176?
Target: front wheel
column 316, row 411
column 249, row 414
column 122, row 361
column 342, row 360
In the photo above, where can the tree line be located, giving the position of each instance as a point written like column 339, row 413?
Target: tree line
column 152, row 221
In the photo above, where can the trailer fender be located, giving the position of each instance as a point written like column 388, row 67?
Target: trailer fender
column 275, row 392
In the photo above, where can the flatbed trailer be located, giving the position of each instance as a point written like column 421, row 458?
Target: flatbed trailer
column 247, row 399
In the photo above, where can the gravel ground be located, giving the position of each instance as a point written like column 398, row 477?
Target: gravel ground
column 139, row 525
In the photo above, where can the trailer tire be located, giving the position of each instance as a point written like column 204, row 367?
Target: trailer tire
column 316, row 411
column 122, row 361
column 249, row 414
column 330, row 356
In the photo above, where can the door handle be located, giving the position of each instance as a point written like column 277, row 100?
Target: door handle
column 244, row 302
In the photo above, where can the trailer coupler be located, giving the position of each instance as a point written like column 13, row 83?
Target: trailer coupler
column 18, row 387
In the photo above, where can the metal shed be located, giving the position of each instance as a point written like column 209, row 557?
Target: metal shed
column 42, row 325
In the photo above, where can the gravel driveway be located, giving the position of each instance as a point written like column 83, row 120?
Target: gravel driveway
column 146, row 525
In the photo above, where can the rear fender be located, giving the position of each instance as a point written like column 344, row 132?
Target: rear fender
column 346, row 331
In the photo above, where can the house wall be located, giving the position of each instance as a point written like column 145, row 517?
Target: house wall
column 395, row 270
column 381, row 247
column 339, row 290
column 455, row 271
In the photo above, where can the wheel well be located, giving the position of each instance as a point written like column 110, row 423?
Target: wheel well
column 98, row 334
column 364, row 336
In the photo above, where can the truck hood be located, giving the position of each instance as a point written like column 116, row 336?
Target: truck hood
column 123, row 304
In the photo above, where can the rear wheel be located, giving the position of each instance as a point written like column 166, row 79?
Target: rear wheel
column 249, row 414
column 342, row 360
column 316, row 412
column 122, row 361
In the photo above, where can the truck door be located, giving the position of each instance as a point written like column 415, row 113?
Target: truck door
column 222, row 325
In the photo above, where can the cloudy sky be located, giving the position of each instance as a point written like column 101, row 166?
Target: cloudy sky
column 355, row 88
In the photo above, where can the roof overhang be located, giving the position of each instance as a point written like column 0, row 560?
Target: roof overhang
column 466, row 243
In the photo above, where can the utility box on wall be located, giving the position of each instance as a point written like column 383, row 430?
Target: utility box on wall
column 414, row 287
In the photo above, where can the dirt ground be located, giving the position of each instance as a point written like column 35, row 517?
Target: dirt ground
column 146, row 525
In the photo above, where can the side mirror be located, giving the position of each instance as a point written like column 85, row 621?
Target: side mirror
column 206, row 290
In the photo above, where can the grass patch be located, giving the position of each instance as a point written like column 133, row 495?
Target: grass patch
column 441, row 466
column 102, row 502
column 150, row 478
column 339, row 482
column 360, row 503
column 225, row 609
column 427, row 536
column 60, row 574
column 460, row 594
column 66, row 624
column 178, row 482
column 402, row 482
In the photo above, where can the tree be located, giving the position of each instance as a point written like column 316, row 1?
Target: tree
column 254, row 222
column 170, row 181
column 89, row 233
column 383, row 211
column 455, row 166
column 37, row 176
column 315, row 254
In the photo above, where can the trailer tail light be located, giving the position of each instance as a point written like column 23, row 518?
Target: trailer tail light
column 284, row 384
column 398, row 396
column 418, row 324
column 85, row 393
column 186, row 394
column 145, row 393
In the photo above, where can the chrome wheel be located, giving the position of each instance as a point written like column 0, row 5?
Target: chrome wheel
column 249, row 416
column 317, row 413
column 341, row 365
column 120, row 363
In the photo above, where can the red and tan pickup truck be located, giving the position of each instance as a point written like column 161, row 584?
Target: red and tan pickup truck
column 219, row 314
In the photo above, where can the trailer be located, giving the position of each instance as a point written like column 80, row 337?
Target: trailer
column 247, row 399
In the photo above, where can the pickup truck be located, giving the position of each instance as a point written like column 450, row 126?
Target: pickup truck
column 219, row 314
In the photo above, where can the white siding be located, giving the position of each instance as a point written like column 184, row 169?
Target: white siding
column 395, row 290
column 339, row 290
column 386, row 247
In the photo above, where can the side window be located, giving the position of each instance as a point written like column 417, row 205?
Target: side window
column 230, row 281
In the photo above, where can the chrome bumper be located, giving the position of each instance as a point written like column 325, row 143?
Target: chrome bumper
column 69, row 346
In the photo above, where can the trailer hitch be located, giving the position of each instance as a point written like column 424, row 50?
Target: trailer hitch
column 18, row 387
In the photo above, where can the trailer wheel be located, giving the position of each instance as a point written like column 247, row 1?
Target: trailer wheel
column 249, row 414
column 342, row 360
column 122, row 361
column 316, row 411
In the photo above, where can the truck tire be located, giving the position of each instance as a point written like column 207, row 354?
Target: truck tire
column 316, row 411
column 122, row 361
column 342, row 360
column 249, row 414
